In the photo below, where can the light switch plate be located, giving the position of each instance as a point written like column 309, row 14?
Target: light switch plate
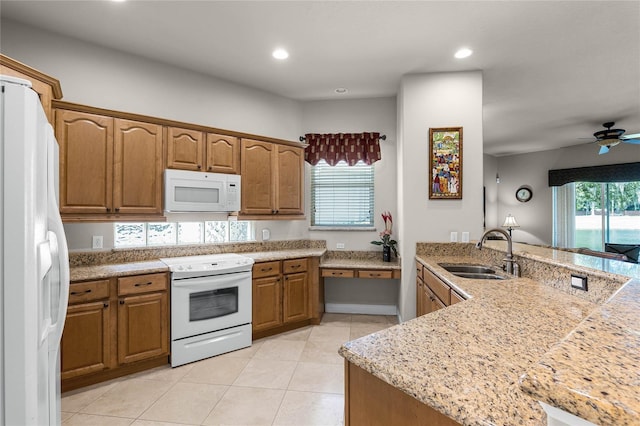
column 266, row 234
column 465, row 237
column 579, row 282
column 340, row 245
column 454, row 237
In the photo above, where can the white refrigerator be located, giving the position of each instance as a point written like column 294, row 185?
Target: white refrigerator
column 34, row 266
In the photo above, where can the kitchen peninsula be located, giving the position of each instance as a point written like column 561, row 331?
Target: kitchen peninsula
column 479, row 361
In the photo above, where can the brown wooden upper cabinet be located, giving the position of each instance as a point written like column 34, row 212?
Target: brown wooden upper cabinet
column 272, row 178
column 47, row 87
column 108, row 166
column 208, row 152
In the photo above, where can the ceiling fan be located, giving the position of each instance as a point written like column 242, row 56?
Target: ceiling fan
column 612, row 137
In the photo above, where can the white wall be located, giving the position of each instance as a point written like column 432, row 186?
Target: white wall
column 535, row 217
column 101, row 77
column 436, row 100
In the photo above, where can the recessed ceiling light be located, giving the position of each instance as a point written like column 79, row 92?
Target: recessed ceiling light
column 341, row 90
column 463, row 53
column 280, row 54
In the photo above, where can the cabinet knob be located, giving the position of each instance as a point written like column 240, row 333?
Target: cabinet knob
column 117, row 209
column 199, row 166
column 106, row 305
column 210, row 168
column 122, row 302
column 107, row 209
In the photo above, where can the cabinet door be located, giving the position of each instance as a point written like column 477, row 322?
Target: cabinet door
column 295, row 298
column 267, row 303
column 223, row 154
column 85, row 346
column 290, row 180
column 86, row 162
column 137, row 168
column 184, row 149
column 143, row 330
column 258, row 177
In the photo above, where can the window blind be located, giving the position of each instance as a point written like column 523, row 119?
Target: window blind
column 342, row 195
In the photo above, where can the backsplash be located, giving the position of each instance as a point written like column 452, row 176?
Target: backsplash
column 550, row 267
column 87, row 258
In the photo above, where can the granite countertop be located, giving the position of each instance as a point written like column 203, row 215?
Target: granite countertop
column 594, row 372
column 100, row 271
column 358, row 260
column 466, row 360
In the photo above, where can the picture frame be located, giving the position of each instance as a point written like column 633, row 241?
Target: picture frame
column 445, row 163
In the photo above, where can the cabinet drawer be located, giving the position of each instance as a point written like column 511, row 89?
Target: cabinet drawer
column 294, row 265
column 375, row 274
column 419, row 269
column 88, row 291
column 266, row 269
column 142, row 284
column 344, row 273
column 437, row 286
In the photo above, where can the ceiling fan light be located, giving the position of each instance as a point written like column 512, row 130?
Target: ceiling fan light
column 608, row 142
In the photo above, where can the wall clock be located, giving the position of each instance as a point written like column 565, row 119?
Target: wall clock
column 524, row 194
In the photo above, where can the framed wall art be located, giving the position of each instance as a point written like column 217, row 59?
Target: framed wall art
column 445, row 160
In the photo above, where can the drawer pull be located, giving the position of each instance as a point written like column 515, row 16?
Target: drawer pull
column 80, row 293
column 375, row 275
column 266, row 269
column 336, row 273
column 296, row 266
column 142, row 284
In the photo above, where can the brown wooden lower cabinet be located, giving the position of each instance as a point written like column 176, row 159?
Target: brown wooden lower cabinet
column 114, row 327
column 370, row 401
column 432, row 293
column 286, row 295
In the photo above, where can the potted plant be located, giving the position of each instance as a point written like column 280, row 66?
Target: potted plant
column 385, row 238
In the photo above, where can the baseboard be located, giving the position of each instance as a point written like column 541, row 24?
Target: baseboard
column 352, row 308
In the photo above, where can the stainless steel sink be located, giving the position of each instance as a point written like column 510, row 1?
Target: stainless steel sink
column 479, row 276
column 477, row 272
column 474, row 269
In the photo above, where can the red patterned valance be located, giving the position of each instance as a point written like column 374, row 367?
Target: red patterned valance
column 350, row 147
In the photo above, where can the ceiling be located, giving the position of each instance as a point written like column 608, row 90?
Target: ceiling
column 554, row 71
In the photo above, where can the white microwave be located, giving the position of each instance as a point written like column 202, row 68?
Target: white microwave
column 186, row 191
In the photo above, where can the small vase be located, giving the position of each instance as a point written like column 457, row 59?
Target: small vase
column 386, row 253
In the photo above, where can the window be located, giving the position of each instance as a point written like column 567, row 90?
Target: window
column 175, row 233
column 595, row 215
column 341, row 195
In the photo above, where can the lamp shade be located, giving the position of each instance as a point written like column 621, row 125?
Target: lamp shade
column 510, row 222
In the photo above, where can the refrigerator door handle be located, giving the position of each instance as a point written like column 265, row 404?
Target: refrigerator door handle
column 59, row 252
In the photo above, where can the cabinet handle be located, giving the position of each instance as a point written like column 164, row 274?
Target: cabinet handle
column 375, row 275
column 210, row 168
column 142, row 284
column 277, row 211
column 296, row 266
column 336, row 273
column 117, row 209
column 80, row 293
column 107, row 209
column 199, row 166
column 265, row 269
column 122, row 302
column 106, row 305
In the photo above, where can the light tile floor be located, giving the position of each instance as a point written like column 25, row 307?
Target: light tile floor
column 294, row 378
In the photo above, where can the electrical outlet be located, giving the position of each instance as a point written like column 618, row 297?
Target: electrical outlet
column 96, row 242
column 454, row 237
column 266, row 234
column 579, row 282
column 465, row 237
column 340, row 246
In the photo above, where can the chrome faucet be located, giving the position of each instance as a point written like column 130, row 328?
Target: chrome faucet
column 509, row 262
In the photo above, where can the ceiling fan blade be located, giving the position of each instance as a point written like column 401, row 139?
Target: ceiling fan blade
column 633, row 141
column 633, row 136
column 603, row 150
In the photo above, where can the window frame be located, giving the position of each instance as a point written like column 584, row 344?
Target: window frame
column 368, row 186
